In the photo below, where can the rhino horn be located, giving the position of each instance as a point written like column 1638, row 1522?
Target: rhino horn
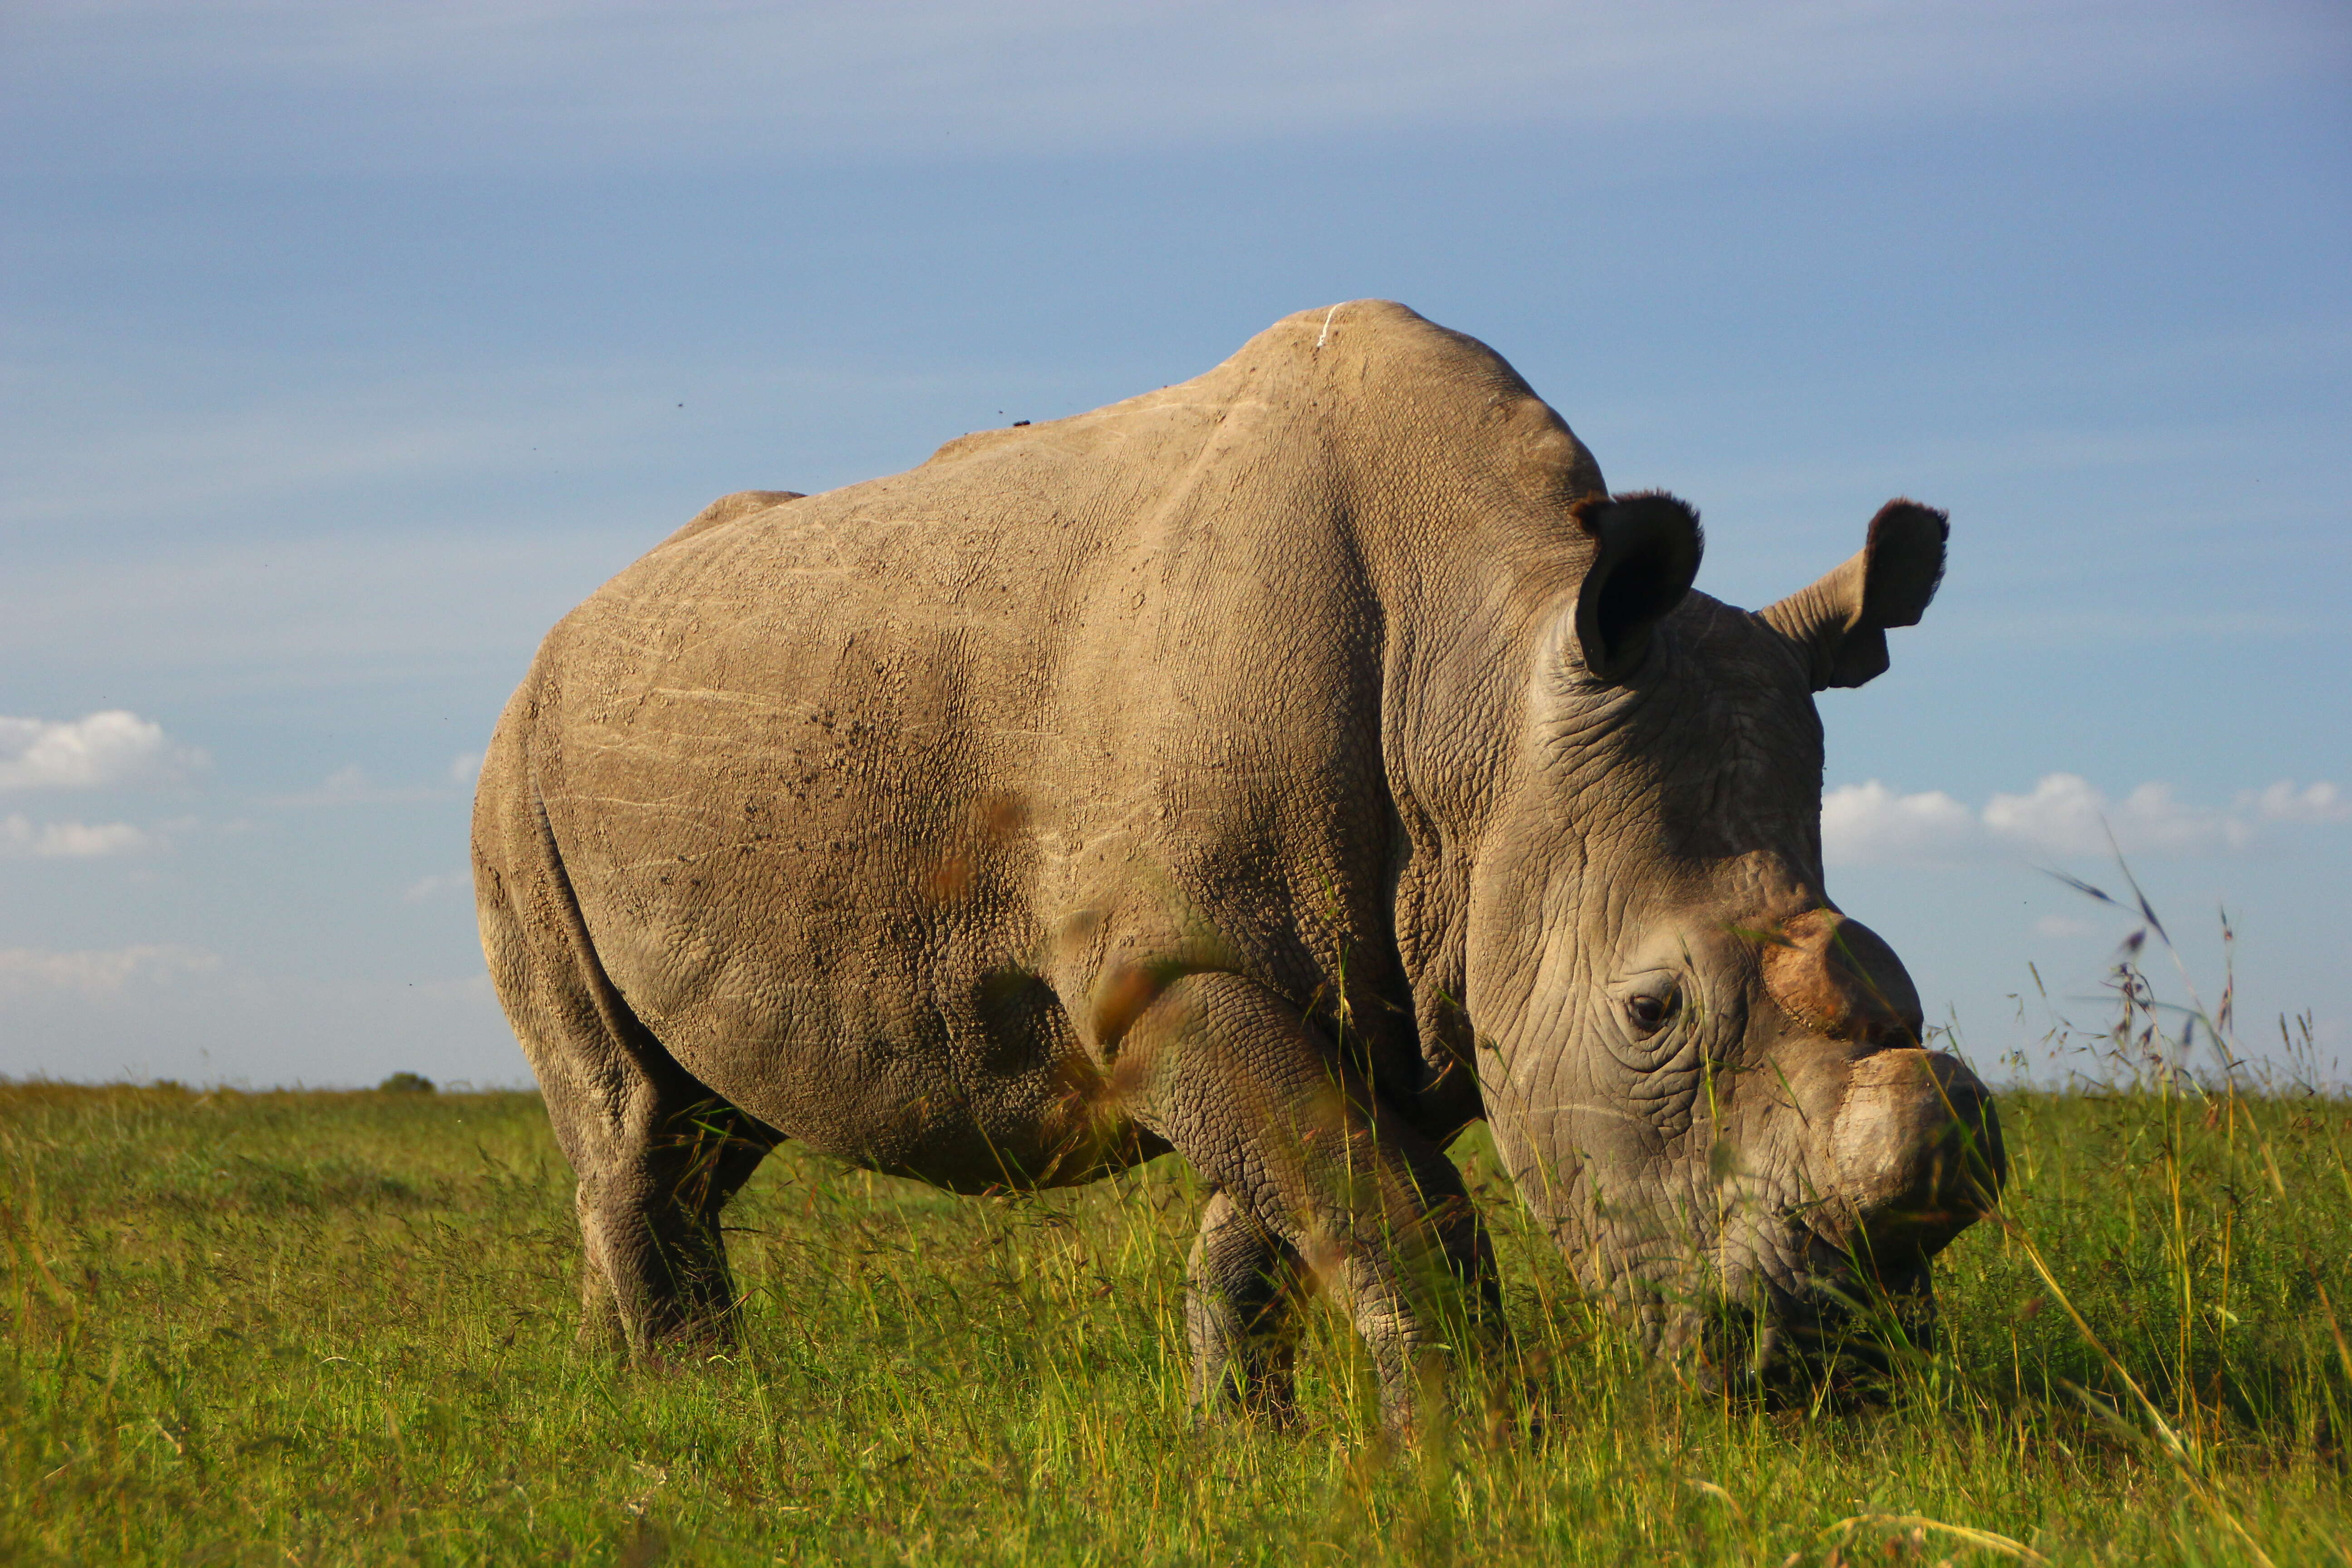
column 1837, row 977
column 1841, row 621
column 1647, row 548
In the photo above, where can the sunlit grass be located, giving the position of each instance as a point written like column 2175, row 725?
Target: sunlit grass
column 330, row 1328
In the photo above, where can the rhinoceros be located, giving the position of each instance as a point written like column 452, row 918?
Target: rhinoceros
column 1288, row 768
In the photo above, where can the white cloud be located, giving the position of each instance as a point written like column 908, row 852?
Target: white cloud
column 2285, row 803
column 100, row 751
column 1869, row 824
column 2061, row 812
column 426, row 888
column 99, row 972
column 2062, row 928
column 466, row 768
column 475, row 988
column 68, row 840
column 272, row 446
column 352, row 787
column 599, row 80
column 2063, row 815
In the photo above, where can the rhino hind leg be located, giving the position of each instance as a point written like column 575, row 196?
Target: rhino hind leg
column 655, row 1271
column 1300, row 1144
column 656, row 1153
column 1240, row 1317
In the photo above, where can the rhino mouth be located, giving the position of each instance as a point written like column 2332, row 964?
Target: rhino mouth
column 1816, row 1293
column 1781, row 1311
column 1841, row 1329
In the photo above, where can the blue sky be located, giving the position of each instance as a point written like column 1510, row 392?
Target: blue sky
column 344, row 347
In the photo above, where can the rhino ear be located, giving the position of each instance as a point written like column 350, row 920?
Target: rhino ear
column 1840, row 622
column 1648, row 547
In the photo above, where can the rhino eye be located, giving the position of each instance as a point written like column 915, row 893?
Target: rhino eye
column 1648, row 1014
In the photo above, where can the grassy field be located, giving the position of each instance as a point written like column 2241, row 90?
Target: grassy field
column 338, row 1327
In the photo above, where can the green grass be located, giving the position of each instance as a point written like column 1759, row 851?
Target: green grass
column 327, row 1328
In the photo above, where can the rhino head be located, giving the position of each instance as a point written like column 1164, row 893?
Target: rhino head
column 1708, row 1082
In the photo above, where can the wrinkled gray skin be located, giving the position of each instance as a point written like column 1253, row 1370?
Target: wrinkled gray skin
column 1289, row 767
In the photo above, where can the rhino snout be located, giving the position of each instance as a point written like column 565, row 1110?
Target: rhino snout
column 1915, row 1152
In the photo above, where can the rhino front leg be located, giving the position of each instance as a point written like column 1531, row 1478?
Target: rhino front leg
column 1299, row 1143
column 1240, row 1316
